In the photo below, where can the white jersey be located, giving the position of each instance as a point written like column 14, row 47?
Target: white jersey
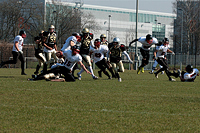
column 67, row 46
column 145, row 44
column 191, row 76
column 71, row 60
column 98, row 54
column 162, row 51
column 20, row 40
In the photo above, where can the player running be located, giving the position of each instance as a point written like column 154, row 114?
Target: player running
column 147, row 42
column 115, row 51
column 159, row 55
column 98, row 52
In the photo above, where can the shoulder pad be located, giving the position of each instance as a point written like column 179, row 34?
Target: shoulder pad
column 91, row 35
column 37, row 38
column 122, row 46
column 110, row 45
column 45, row 33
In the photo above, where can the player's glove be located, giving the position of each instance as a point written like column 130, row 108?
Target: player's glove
column 173, row 53
column 155, row 58
column 21, row 52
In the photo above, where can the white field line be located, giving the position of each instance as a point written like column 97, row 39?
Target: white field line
column 102, row 110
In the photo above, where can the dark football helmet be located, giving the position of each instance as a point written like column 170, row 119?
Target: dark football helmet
column 102, row 36
column 22, row 33
column 77, row 35
column 189, row 68
column 148, row 37
column 97, row 43
column 116, row 41
column 165, row 41
column 75, row 49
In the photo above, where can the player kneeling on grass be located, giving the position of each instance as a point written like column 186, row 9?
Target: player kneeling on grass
column 98, row 52
column 71, row 58
column 189, row 75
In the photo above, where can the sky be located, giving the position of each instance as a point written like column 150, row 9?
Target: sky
column 149, row 5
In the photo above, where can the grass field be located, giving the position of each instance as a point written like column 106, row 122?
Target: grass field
column 140, row 103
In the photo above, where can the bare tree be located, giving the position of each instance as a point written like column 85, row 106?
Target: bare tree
column 31, row 16
column 189, row 10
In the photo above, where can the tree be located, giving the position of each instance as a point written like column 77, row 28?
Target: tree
column 190, row 10
column 31, row 16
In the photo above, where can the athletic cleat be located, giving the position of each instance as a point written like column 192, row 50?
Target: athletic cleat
column 29, row 79
column 120, row 80
column 142, row 69
column 162, row 72
column 34, row 76
column 172, row 80
column 151, row 72
column 138, row 71
column 99, row 72
column 23, row 73
column 179, row 72
column 156, row 75
column 109, row 77
column 94, row 77
column 79, row 76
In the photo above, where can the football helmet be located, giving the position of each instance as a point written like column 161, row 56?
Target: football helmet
column 85, row 31
column 75, row 49
column 59, row 54
column 165, row 41
column 149, row 38
column 51, row 28
column 22, row 33
column 116, row 41
column 97, row 43
column 189, row 68
column 102, row 36
column 77, row 35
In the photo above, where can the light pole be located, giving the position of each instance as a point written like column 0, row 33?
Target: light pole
column 181, row 36
column 109, row 29
column 136, row 31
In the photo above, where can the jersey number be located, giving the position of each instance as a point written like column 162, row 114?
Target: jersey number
column 67, row 63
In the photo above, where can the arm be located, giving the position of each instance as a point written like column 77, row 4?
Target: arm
column 16, row 45
column 132, row 42
column 81, row 64
column 47, row 46
column 169, row 51
column 55, row 46
column 128, row 56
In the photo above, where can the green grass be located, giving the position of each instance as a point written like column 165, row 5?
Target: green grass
column 140, row 103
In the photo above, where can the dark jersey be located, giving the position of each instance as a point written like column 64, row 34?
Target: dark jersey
column 39, row 46
column 85, row 44
column 51, row 39
column 116, row 52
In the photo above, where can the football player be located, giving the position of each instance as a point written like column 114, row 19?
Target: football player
column 115, row 51
column 98, row 52
column 190, row 74
column 103, row 42
column 71, row 58
column 147, row 42
column 155, row 62
column 71, row 41
column 50, row 47
column 17, row 51
column 159, row 55
column 86, row 39
column 39, row 51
